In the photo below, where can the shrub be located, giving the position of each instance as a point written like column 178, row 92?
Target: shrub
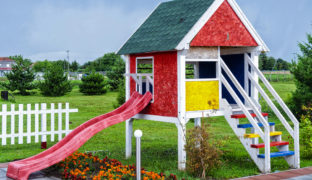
column 202, row 153
column 121, row 97
column 306, row 132
column 21, row 77
column 93, row 84
column 55, row 82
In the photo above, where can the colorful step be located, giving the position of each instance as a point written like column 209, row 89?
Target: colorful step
column 277, row 143
column 240, row 116
column 278, row 154
column 245, row 126
column 275, row 133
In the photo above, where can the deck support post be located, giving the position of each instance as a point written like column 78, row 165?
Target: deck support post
column 181, row 143
column 129, row 130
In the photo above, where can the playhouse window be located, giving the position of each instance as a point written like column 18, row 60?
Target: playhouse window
column 145, row 68
column 201, row 70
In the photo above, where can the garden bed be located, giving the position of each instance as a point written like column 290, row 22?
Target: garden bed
column 79, row 166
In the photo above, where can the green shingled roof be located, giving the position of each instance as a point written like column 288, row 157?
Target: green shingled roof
column 166, row 26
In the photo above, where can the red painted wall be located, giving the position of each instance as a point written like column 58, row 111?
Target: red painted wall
column 224, row 28
column 165, row 83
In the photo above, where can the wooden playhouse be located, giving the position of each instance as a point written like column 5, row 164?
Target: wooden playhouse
column 199, row 58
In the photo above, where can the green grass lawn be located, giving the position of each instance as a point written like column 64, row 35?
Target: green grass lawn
column 159, row 141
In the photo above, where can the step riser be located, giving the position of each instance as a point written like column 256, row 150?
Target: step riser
column 278, row 154
column 280, row 145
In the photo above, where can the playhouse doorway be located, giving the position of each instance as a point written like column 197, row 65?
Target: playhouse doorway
column 236, row 63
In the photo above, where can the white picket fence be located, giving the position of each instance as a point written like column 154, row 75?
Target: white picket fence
column 34, row 117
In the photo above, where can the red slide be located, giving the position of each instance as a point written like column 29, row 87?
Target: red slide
column 23, row 168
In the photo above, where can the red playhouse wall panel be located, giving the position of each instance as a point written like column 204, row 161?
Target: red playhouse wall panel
column 224, row 28
column 165, row 83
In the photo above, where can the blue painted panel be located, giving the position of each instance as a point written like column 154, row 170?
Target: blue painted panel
column 237, row 66
column 144, row 88
column 245, row 126
column 207, row 70
column 278, row 154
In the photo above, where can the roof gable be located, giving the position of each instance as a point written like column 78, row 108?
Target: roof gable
column 224, row 28
column 166, row 26
column 174, row 24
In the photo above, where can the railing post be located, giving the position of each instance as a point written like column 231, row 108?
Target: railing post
column 140, row 85
column 138, row 134
column 297, row 146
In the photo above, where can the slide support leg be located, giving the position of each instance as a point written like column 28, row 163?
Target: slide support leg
column 129, row 132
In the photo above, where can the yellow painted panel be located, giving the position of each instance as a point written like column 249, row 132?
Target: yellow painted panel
column 202, row 95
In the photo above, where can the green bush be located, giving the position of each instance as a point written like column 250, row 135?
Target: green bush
column 93, row 84
column 121, row 97
column 202, row 151
column 55, row 82
column 306, row 132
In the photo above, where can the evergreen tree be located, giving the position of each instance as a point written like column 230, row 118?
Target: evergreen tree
column 55, row 82
column 302, row 70
column 116, row 74
column 21, row 77
column 93, row 84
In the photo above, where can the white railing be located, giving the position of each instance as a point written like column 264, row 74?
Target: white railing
column 36, row 124
column 138, row 78
column 265, row 136
column 293, row 132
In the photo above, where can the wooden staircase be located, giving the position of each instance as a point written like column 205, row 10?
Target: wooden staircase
column 259, row 127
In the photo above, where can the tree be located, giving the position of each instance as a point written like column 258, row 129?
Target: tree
column 41, row 66
column 74, row 66
column 302, row 70
column 103, row 63
column 55, row 81
column 93, row 84
column 21, row 77
column 116, row 74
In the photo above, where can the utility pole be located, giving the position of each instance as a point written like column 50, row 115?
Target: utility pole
column 68, row 63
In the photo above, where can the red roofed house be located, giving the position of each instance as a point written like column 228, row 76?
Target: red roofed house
column 5, row 65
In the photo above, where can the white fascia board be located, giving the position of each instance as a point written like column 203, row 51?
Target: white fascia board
column 138, row 27
column 248, row 25
column 184, row 44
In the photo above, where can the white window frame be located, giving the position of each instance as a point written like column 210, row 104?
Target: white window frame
column 136, row 71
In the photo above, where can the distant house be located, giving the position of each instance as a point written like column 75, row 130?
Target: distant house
column 5, row 65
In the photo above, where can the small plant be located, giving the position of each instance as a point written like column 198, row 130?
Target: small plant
column 55, row 82
column 306, row 132
column 93, row 84
column 202, row 153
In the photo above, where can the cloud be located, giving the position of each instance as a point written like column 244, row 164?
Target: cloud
column 87, row 31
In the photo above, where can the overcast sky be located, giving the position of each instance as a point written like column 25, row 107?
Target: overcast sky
column 45, row 29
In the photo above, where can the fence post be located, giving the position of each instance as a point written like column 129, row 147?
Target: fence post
column 43, row 126
column 12, row 123
column 138, row 134
column 4, row 124
column 20, row 123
